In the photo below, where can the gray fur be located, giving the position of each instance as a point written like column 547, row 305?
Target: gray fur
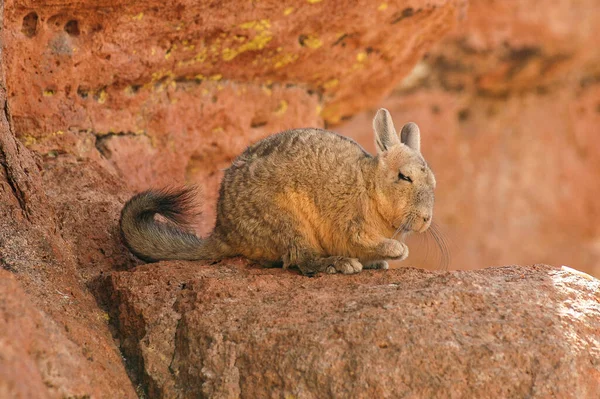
column 305, row 197
column 385, row 133
column 411, row 136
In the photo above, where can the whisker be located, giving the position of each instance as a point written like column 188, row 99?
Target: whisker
column 396, row 232
column 425, row 238
column 402, row 227
column 442, row 244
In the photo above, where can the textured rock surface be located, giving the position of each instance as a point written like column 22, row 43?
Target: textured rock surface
column 115, row 96
column 39, row 357
column 230, row 330
column 54, row 340
column 510, row 108
column 170, row 91
column 19, row 374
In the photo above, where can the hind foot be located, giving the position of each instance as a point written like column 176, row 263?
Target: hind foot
column 378, row 264
column 345, row 266
column 330, row 265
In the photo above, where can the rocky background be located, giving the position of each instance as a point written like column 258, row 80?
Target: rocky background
column 101, row 99
column 509, row 107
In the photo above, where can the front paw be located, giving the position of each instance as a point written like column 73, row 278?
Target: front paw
column 345, row 266
column 377, row 265
column 392, row 249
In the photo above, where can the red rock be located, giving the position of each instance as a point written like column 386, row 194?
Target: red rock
column 114, row 97
column 509, row 108
column 54, row 340
column 117, row 97
column 232, row 331
column 174, row 90
column 39, row 358
column 19, row 375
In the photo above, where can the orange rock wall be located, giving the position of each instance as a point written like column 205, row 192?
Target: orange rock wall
column 509, row 108
column 100, row 99
column 167, row 92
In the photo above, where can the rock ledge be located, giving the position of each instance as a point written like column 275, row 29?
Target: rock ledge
column 230, row 330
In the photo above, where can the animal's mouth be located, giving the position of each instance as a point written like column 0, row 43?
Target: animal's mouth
column 401, row 232
column 404, row 230
column 424, row 227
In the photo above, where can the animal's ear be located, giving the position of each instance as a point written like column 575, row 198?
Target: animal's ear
column 385, row 133
column 411, row 136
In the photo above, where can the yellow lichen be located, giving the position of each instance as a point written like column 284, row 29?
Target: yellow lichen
column 361, row 57
column 29, row 140
column 331, row 113
column 201, row 56
column 288, row 11
column 267, row 90
column 284, row 59
column 139, row 16
column 262, row 37
column 382, row 7
column 102, row 96
column 216, row 77
column 257, row 25
column 156, row 76
column 48, row 93
column 330, row 84
column 282, row 108
column 229, row 54
column 215, row 46
column 313, row 1
column 312, row 41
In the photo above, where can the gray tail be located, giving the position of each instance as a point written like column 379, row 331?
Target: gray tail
column 151, row 240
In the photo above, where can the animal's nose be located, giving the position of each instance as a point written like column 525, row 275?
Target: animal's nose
column 426, row 218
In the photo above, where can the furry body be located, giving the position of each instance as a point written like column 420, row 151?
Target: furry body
column 304, row 197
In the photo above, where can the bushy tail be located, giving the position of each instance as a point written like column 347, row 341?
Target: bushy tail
column 151, row 240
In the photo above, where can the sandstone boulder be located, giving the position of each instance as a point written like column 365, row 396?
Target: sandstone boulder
column 39, row 358
column 54, row 339
column 230, row 330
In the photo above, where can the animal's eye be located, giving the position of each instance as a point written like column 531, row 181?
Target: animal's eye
column 404, row 177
